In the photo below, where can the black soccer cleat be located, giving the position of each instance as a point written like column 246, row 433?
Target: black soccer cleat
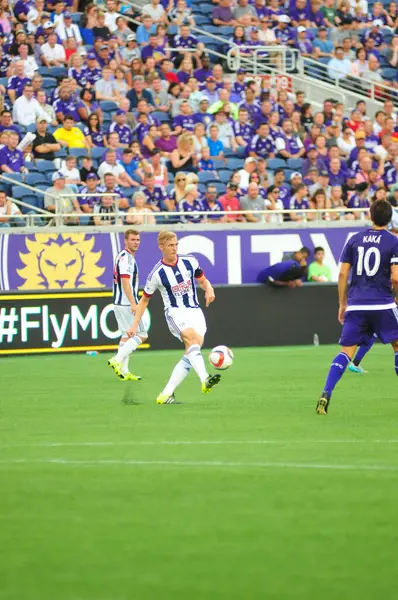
column 323, row 404
column 210, row 382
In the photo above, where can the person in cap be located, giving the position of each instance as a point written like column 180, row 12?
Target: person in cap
column 93, row 72
column 360, row 138
column 122, row 31
column 131, row 50
column 323, row 47
column 349, row 187
column 313, row 160
column 88, row 202
column 303, row 44
column 375, row 34
column 67, row 29
column 266, row 34
column 58, row 199
column 283, row 32
column 120, row 127
column 44, row 145
column 229, row 201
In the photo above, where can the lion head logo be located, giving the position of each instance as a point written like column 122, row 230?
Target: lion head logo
column 60, row 261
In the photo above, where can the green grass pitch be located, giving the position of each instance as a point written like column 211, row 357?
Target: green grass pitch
column 244, row 494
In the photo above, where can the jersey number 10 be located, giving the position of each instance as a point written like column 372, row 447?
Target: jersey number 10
column 364, row 259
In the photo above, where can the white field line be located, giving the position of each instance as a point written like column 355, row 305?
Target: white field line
column 193, row 443
column 202, row 464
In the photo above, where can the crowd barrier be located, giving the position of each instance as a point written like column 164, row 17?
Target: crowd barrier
column 84, row 260
column 245, row 315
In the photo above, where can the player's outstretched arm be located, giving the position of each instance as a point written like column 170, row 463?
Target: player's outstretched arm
column 343, row 289
column 207, row 288
column 141, row 308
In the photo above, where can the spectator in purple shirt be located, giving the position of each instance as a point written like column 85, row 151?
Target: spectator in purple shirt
column 184, row 121
column 17, row 82
column 222, row 14
column 202, row 74
column 299, row 13
column 11, row 159
column 313, row 160
column 166, row 142
column 303, row 44
column 152, row 49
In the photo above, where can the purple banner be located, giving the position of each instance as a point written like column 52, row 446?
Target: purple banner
column 45, row 261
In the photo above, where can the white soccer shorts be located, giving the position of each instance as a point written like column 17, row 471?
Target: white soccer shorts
column 125, row 319
column 179, row 319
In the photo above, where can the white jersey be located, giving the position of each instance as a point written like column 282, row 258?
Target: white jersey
column 124, row 267
column 175, row 282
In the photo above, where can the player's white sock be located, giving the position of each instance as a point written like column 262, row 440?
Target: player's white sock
column 124, row 361
column 128, row 347
column 180, row 371
column 196, row 359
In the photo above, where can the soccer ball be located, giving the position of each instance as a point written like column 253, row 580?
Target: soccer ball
column 221, row 357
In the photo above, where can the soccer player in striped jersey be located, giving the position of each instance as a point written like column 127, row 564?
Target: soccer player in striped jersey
column 174, row 276
column 125, row 301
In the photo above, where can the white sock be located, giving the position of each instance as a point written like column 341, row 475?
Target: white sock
column 117, row 356
column 128, row 347
column 196, row 359
column 125, row 365
column 180, row 371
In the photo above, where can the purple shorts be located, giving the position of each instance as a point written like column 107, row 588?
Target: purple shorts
column 360, row 325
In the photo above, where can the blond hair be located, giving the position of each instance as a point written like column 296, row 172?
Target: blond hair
column 165, row 236
column 192, row 178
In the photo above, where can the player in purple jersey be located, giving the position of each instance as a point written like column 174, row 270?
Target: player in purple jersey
column 174, row 276
column 367, row 306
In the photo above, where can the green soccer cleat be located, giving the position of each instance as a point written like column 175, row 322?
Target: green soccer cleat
column 210, row 382
column 165, row 399
column 130, row 377
column 116, row 366
column 323, row 404
column 356, row 369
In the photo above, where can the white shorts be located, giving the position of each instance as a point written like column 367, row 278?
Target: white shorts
column 125, row 318
column 179, row 319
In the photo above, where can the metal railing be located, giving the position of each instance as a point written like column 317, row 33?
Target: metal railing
column 187, row 217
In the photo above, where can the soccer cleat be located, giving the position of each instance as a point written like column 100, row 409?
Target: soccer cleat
column 210, row 382
column 130, row 377
column 323, row 404
column 165, row 399
column 116, row 366
column 356, row 369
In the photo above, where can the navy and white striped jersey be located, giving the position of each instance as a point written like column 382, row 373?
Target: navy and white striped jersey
column 175, row 282
column 124, row 267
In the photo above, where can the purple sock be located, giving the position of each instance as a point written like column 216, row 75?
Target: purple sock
column 337, row 368
column 362, row 350
column 396, row 363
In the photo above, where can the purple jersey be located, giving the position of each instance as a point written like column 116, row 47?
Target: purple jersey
column 196, row 209
column 17, row 83
column 124, row 131
column 79, row 76
column 244, row 130
column 262, row 146
column 296, row 205
column 371, row 253
column 93, row 75
column 67, row 107
column 215, row 209
column 155, row 197
column 357, row 202
column 185, row 121
column 96, row 136
column 90, row 200
column 284, row 195
column 13, row 159
column 189, row 42
column 204, row 118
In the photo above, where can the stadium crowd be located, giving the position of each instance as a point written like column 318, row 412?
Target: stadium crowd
column 139, row 113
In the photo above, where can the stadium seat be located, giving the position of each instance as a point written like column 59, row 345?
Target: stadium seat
column 45, row 165
column 234, row 163
column 36, row 178
column 295, row 163
column 49, row 83
column 33, row 200
column 97, row 152
column 108, row 105
column 219, row 164
column 276, row 163
column 17, row 177
column 61, row 153
column 220, row 186
column 206, row 176
column 128, row 192
column 78, row 152
column 20, row 192
column 76, row 17
column 224, row 175
column 161, row 116
column 389, row 73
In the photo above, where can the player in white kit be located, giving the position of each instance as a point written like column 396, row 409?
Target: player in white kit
column 125, row 301
column 174, row 276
